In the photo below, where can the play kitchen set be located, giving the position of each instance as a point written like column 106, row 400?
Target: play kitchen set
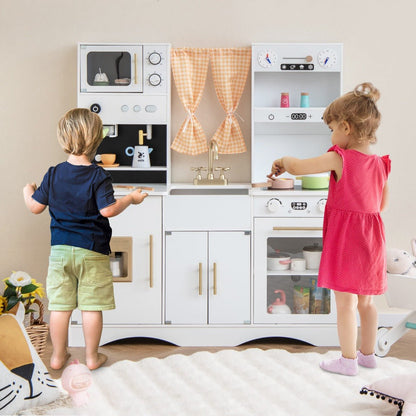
column 217, row 264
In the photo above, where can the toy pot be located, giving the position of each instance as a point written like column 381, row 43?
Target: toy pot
column 312, row 255
column 317, row 181
column 282, row 183
column 278, row 261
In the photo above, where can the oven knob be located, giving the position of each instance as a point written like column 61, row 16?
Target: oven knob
column 321, row 205
column 95, row 108
column 273, row 204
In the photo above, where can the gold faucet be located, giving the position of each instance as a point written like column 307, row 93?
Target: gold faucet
column 212, row 155
column 210, row 180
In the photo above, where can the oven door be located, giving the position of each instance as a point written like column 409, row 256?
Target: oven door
column 282, row 295
column 110, row 68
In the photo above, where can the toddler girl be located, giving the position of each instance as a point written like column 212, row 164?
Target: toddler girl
column 353, row 262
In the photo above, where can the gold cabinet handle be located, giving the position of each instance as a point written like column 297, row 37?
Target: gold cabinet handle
column 200, row 279
column 215, row 278
column 297, row 228
column 135, row 68
column 151, row 259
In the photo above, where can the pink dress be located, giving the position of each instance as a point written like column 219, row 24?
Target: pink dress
column 353, row 257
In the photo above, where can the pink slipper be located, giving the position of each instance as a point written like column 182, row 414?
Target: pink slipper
column 368, row 361
column 344, row 366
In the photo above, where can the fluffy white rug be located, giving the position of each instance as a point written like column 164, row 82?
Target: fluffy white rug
column 250, row 382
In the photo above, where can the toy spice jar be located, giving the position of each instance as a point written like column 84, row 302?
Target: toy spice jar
column 284, row 99
column 304, row 99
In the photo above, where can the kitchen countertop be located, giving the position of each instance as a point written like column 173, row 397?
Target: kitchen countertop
column 165, row 189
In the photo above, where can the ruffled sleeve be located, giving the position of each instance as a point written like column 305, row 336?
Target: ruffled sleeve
column 341, row 152
column 387, row 163
column 338, row 150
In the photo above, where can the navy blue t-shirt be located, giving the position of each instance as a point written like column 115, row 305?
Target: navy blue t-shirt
column 75, row 194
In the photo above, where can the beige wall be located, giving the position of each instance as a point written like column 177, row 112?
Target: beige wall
column 38, row 84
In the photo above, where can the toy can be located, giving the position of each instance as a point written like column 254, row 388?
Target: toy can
column 284, row 99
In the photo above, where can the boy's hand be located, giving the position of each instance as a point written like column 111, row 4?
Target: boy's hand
column 30, row 188
column 138, row 196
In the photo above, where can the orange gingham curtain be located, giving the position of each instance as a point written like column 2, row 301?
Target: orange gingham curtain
column 230, row 68
column 189, row 68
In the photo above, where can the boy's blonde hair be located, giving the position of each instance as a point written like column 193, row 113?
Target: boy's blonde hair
column 80, row 132
column 359, row 109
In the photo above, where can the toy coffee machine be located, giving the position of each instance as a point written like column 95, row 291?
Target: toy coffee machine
column 128, row 86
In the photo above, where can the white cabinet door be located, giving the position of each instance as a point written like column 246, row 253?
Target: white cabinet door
column 207, row 277
column 139, row 302
column 186, row 277
column 229, row 278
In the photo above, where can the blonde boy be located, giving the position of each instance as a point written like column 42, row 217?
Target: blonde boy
column 80, row 197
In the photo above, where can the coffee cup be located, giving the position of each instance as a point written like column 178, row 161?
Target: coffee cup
column 298, row 264
column 108, row 158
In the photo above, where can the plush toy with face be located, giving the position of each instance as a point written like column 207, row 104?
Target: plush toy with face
column 400, row 262
column 24, row 379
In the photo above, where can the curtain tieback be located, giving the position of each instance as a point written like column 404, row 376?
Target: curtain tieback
column 230, row 115
column 189, row 117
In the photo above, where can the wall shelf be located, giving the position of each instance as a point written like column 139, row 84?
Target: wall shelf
column 288, row 115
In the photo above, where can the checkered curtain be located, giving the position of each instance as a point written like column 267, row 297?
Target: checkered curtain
column 230, row 68
column 190, row 67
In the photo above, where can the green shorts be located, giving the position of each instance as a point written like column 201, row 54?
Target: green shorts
column 81, row 278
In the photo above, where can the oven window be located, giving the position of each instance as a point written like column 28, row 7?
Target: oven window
column 109, row 68
column 296, row 294
column 292, row 274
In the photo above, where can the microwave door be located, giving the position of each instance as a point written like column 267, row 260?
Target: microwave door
column 111, row 68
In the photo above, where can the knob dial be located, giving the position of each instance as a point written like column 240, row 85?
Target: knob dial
column 273, row 204
column 155, row 58
column 321, row 205
column 95, row 108
column 155, row 79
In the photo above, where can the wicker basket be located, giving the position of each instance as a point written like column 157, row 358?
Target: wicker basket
column 38, row 330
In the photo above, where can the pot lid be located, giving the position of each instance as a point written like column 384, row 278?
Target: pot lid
column 314, row 248
column 279, row 255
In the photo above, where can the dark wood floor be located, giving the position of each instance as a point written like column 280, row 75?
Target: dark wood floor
column 139, row 348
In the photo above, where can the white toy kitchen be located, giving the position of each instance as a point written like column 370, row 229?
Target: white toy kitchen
column 214, row 264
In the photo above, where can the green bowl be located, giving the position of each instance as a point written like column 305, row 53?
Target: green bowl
column 314, row 182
